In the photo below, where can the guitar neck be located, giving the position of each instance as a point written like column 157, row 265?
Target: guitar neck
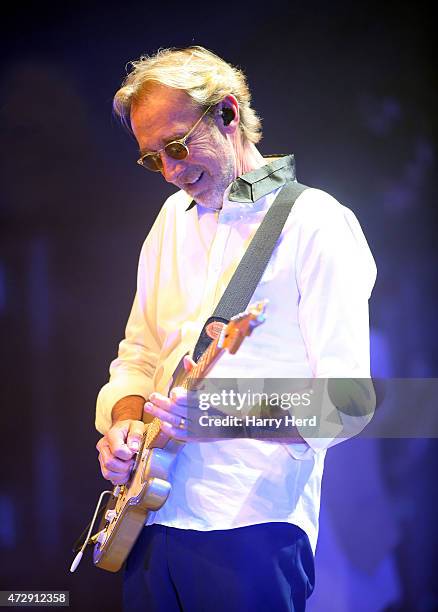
column 204, row 364
column 230, row 339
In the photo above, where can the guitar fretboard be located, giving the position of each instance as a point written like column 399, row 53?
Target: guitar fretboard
column 204, row 364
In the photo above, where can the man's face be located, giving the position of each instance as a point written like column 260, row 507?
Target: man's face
column 167, row 114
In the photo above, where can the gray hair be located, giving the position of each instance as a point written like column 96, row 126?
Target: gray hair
column 204, row 76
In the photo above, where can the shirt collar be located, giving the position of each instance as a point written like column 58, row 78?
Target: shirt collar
column 254, row 185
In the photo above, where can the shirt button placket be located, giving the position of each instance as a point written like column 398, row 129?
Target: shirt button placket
column 216, row 257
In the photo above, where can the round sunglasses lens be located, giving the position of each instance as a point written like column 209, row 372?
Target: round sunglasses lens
column 152, row 162
column 176, row 150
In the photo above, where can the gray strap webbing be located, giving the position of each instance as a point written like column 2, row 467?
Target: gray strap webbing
column 245, row 279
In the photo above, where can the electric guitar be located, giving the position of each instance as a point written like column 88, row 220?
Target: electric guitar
column 148, row 487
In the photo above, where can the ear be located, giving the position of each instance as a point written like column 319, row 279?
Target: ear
column 227, row 115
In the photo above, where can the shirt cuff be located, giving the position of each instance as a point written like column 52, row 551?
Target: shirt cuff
column 332, row 424
column 114, row 391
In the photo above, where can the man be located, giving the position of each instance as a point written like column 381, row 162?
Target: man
column 239, row 529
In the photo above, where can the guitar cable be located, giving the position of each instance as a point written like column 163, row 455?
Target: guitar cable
column 80, row 540
column 89, row 540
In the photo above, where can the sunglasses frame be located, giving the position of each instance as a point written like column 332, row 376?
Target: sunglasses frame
column 155, row 157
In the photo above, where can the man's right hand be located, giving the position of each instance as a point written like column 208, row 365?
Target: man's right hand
column 117, row 450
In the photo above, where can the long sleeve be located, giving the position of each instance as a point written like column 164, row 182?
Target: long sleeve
column 335, row 274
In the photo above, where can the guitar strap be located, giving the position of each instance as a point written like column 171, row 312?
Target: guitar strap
column 245, row 279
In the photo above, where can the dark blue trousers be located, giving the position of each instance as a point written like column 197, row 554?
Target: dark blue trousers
column 259, row 568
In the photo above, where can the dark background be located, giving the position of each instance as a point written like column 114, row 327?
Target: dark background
column 350, row 88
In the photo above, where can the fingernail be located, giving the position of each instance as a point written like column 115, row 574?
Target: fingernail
column 134, row 446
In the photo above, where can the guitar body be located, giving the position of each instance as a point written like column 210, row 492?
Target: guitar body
column 148, row 487
column 145, row 492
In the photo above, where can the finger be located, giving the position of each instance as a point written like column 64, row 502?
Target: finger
column 112, row 464
column 103, row 442
column 158, row 398
column 113, row 476
column 178, row 395
column 117, row 479
column 178, row 433
column 189, row 364
column 116, row 437
column 176, row 403
column 183, row 398
column 164, row 415
column 135, row 435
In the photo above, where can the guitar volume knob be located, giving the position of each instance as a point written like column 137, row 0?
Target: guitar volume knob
column 110, row 515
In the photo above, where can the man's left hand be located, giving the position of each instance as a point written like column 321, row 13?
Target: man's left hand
column 173, row 410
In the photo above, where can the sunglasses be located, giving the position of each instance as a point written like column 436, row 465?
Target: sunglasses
column 177, row 149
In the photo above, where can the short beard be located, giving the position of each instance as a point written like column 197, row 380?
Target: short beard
column 213, row 198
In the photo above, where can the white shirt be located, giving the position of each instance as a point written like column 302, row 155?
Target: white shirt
column 318, row 283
